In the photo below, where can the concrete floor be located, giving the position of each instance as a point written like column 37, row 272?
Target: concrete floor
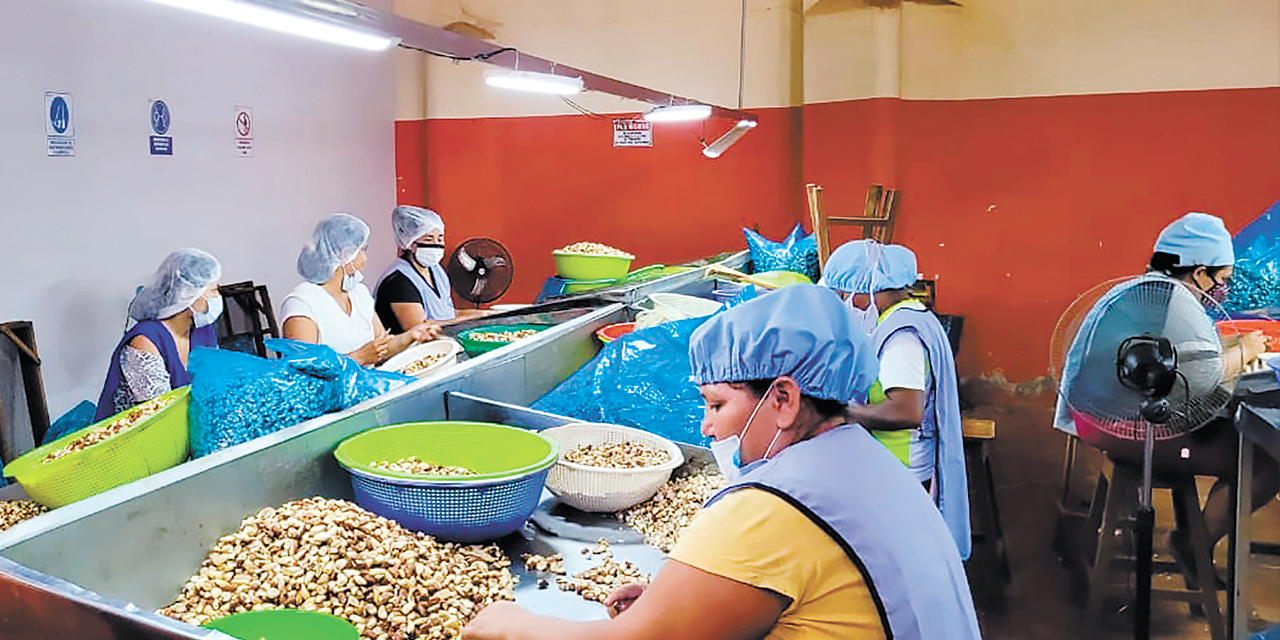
column 1027, row 457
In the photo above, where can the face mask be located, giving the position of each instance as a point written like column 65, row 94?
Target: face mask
column 209, row 315
column 429, row 255
column 728, row 452
column 350, row 280
column 865, row 319
column 1218, row 292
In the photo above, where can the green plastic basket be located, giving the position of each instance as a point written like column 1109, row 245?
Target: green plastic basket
column 511, row 468
column 583, row 266
column 285, row 624
column 153, row 445
column 476, row 347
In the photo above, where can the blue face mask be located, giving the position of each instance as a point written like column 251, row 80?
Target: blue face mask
column 728, row 451
column 209, row 315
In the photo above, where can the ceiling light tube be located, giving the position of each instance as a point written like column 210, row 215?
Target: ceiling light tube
column 533, row 81
column 678, row 113
column 731, row 136
column 259, row 15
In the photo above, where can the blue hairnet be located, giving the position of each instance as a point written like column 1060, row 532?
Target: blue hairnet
column 336, row 241
column 803, row 331
column 411, row 223
column 1198, row 239
column 866, row 266
column 183, row 277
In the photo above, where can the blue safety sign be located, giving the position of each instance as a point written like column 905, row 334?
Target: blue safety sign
column 161, row 120
column 59, row 124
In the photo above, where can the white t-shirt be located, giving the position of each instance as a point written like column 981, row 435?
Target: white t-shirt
column 904, row 364
column 342, row 331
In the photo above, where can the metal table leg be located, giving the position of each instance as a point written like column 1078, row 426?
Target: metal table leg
column 1241, row 544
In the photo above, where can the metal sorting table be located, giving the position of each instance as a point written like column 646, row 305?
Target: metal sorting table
column 1257, row 419
column 99, row 568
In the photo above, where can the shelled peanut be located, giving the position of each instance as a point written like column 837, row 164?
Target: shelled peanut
column 14, row 511
column 501, row 336
column 617, row 455
column 334, row 557
column 598, row 582
column 422, row 364
column 595, row 249
column 416, row 466
column 662, row 517
column 123, row 423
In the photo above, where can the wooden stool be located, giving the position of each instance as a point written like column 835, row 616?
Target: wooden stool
column 990, row 558
column 1109, row 526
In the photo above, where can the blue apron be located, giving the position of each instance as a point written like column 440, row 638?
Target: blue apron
column 436, row 306
column 941, row 418
column 159, row 335
column 853, row 489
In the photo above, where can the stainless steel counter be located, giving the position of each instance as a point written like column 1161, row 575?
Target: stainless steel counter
column 138, row 543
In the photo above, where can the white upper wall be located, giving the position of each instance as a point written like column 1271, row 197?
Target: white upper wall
column 687, row 48
column 77, row 235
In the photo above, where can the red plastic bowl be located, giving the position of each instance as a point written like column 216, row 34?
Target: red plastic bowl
column 1269, row 328
column 614, row 331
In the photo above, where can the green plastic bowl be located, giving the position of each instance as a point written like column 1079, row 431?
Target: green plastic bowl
column 151, row 446
column 477, row 347
column 285, row 624
column 782, row 278
column 578, row 286
column 493, row 451
column 581, row 266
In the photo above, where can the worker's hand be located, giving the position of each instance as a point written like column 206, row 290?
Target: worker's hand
column 425, row 332
column 498, row 621
column 372, row 352
column 1252, row 345
column 623, row 597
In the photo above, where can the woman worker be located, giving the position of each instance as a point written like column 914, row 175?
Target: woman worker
column 1195, row 252
column 914, row 408
column 174, row 313
column 333, row 307
column 819, row 533
column 416, row 287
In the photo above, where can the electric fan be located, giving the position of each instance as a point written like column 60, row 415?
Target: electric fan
column 1140, row 358
column 480, row 270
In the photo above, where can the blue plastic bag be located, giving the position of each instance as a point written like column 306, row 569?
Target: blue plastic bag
column 1256, row 281
column 640, row 380
column 79, row 417
column 797, row 252
column 236, row 397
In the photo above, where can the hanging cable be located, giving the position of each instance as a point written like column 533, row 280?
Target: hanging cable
column 479, row 56
column 742, row 50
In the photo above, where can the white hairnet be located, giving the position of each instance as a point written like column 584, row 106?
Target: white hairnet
column 181, row 279
column 336, row 241
column 411, row 223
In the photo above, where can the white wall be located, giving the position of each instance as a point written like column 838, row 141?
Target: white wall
column 78, row 234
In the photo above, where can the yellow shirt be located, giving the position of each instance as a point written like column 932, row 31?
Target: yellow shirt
column 754, row 537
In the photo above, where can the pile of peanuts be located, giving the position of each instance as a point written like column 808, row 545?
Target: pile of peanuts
column 334, row 557
column 617, row 455
column 662, row 517
column 598, row 582
column 422, row 363
column 14, row 511
column 130, row 418
column 416, row 466
column 544, row 564
column 501, row 336
column 595, row 249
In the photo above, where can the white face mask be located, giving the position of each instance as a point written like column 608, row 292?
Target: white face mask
column 428, row 256
column 728, row 452
column 866, row 319
column 350, row 280
column 208, row 316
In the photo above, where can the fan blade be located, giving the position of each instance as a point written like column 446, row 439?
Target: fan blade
column 466, row 260
column 478, row 287
column 496, row 261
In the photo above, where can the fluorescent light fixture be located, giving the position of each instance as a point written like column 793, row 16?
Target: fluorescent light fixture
column 731, row 136
column 533, row 81
column 284, row 22
column 678, row 113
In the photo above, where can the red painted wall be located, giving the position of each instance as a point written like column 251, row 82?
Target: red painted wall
column 1016, row 205
column 538, row 184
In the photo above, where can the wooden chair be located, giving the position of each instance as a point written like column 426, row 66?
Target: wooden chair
column 877, row 217
column 988, row 564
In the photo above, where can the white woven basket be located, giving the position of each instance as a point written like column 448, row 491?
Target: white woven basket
column 601, row 489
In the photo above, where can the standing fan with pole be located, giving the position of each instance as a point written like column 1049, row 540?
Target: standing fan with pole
column 480, row 270
column 1140, row 359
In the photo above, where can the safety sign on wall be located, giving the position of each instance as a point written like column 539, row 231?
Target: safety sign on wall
column 161, row 121
column 632, row 132
column 244, row 132
column 59, row 124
